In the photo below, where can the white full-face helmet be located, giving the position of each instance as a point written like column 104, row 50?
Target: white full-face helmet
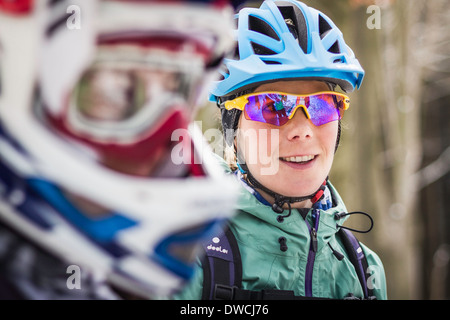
column 91, row 93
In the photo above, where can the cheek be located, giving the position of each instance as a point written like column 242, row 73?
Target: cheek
column 327, row 135
column 258, row 142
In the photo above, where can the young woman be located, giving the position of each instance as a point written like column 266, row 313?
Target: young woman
column 281, row 118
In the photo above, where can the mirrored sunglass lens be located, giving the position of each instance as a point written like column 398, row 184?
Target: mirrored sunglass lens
column 275, row 108
column 266, row 108
column 324, row 108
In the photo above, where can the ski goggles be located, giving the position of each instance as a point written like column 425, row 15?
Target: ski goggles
column 129, row 89
column 277, row 108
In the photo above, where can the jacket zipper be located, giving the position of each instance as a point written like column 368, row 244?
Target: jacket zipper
column 312, row 252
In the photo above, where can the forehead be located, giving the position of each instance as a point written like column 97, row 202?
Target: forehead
column 294, row 86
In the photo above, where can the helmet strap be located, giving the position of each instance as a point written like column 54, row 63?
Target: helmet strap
column 279, row 200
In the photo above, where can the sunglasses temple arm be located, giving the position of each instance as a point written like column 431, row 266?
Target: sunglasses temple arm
column 238, row 103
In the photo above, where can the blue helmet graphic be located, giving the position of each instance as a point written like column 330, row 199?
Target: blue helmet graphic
column 285, row 40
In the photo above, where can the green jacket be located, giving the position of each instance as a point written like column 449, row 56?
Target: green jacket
column 265, row 266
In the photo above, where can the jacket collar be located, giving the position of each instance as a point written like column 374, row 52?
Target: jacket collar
column 249, row 201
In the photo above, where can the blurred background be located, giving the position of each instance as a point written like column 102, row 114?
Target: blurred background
column 394, row 158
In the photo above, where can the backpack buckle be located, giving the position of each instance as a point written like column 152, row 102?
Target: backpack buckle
column 223, row 292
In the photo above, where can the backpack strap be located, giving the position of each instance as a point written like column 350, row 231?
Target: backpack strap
column 222, row 273
column 358, row 259
column 222, row 270
column 221, row 264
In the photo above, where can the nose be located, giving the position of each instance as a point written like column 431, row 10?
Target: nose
column 299, row 127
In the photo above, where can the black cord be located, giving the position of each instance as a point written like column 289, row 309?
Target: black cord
column 337, row 254
column 341, row 215
column 277, row 207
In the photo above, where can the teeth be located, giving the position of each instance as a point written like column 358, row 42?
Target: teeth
column 299, row 159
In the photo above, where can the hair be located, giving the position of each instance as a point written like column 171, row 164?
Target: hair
column 230, row 157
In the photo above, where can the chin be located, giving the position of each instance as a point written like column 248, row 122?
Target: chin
column 301, row 188
column 298, row 192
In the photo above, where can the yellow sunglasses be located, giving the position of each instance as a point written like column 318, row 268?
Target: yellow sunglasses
column 277, row 108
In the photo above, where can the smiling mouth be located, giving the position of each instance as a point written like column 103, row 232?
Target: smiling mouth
column 299, row 159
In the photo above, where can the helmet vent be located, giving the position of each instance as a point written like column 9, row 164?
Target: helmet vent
column 235, row 54
column 296, row 23
column 271, row 62
column 324, row 27
column 335, row 48
column 260, row 26
column 223, row 72
column 261, row 50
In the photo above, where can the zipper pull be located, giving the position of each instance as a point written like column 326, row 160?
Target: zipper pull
column 314, row 239
column 313, row 233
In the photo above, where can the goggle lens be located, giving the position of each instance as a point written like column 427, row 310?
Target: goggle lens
column 110, row 95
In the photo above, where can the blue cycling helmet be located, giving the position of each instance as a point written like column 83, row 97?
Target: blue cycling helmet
column 287, row 40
